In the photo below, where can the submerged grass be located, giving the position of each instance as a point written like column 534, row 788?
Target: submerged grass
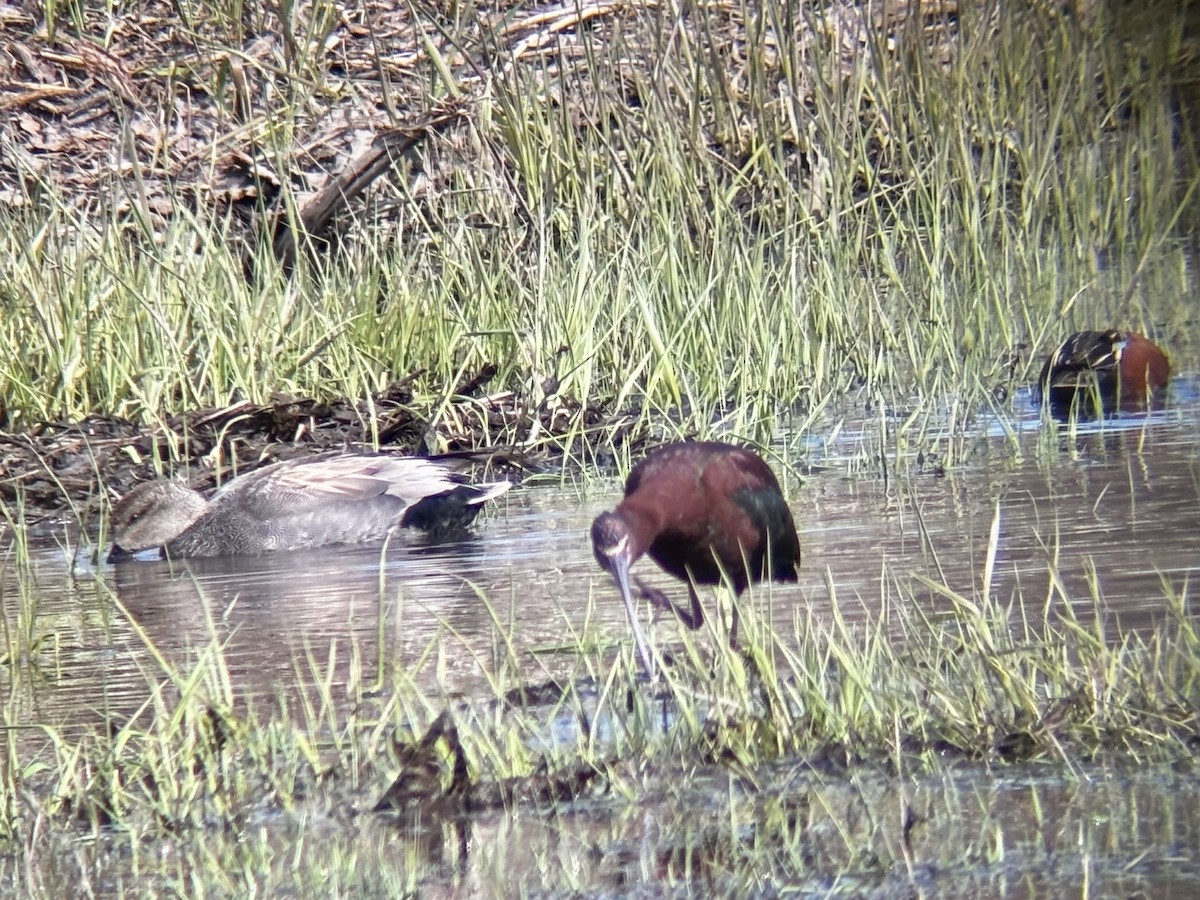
column 706, row 221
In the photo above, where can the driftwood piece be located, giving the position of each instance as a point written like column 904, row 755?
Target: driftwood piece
column 317, row 213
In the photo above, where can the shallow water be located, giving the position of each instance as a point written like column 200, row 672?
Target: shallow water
column 1105, row 519
column 1108, row 525
column 968, row 833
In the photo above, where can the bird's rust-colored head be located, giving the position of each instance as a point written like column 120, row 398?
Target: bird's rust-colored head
column 1144, row 369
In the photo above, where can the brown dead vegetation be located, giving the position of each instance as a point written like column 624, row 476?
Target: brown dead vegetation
column 144, row 112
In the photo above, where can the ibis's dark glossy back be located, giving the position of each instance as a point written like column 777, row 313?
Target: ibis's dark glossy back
column 713, row 503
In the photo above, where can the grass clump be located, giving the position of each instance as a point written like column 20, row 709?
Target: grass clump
column 702, row 219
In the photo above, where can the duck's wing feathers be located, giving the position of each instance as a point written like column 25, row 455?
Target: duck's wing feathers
column 360, row 477
column 1096, row 350
column 318, row 482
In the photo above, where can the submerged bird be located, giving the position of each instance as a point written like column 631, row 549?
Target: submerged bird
column 333, row 498
column 699, row 509
column 1121, row 369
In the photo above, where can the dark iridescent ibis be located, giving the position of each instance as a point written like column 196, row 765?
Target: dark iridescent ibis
column 699, row 509
column 1124, row 370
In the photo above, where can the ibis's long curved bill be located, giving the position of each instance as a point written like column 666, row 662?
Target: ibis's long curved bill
column 620, row 571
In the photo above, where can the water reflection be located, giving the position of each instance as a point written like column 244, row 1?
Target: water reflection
column 1109, row 523
column 823, row 835
column 290, row 600
column 1024, row 832
column 1119, row 517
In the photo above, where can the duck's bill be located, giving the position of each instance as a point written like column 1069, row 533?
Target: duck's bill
column 119, row 554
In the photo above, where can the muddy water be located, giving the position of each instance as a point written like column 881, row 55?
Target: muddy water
column 1105, row 519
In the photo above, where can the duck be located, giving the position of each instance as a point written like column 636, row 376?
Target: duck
column 297, row 504
column 704, row 511
column 1124, row 370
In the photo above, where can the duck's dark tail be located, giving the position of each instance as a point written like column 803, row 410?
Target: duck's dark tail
column 452, row 511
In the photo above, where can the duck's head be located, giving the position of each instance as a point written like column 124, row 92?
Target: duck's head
column 153, row 514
